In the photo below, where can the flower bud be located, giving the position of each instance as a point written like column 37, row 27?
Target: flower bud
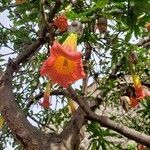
column 61, row 23
column 102, row 24
column 133, row 57
column 76, row 27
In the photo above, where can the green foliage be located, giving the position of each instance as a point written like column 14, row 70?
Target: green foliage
column 100, row 138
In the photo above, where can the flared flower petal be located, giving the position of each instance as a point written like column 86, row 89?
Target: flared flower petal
column 64, row 66
column 61, row 23
column 140, row 91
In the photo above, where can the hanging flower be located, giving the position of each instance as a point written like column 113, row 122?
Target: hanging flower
column 46, row 99
column 61, row 23
column 140, row 92
column 64, row 66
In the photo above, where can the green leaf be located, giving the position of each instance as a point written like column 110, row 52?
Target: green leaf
column 71, row 15
column 101, row 3
column 131, row 19
column 128, row 36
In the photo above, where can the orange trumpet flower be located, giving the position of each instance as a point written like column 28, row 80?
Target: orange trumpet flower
column 64, row 66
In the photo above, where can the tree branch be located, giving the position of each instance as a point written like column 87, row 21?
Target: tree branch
column 24, row 55
column 86, row 63
column 40, row 95
column 45, row 19
column 30, row 137
column 2, row 8
column 106, row 122
column 71, row 133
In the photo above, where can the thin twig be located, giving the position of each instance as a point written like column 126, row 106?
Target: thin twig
column 45, row 19
column 2, row 8
column 86, row 62
column 42, row 124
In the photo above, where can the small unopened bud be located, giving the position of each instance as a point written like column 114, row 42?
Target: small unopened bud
column 76, row 27
column 102, row 24
column 133, row 57
column 61, row 23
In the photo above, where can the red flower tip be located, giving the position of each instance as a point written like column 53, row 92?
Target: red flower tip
column 134, row 102
column 61, row 23
column 47, row 99
column 46, row 102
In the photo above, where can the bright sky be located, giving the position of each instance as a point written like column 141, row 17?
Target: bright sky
column 4, row 19
column 6, row 23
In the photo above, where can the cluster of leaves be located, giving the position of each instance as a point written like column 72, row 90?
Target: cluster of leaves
column 101, row 137
column 126, row 21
